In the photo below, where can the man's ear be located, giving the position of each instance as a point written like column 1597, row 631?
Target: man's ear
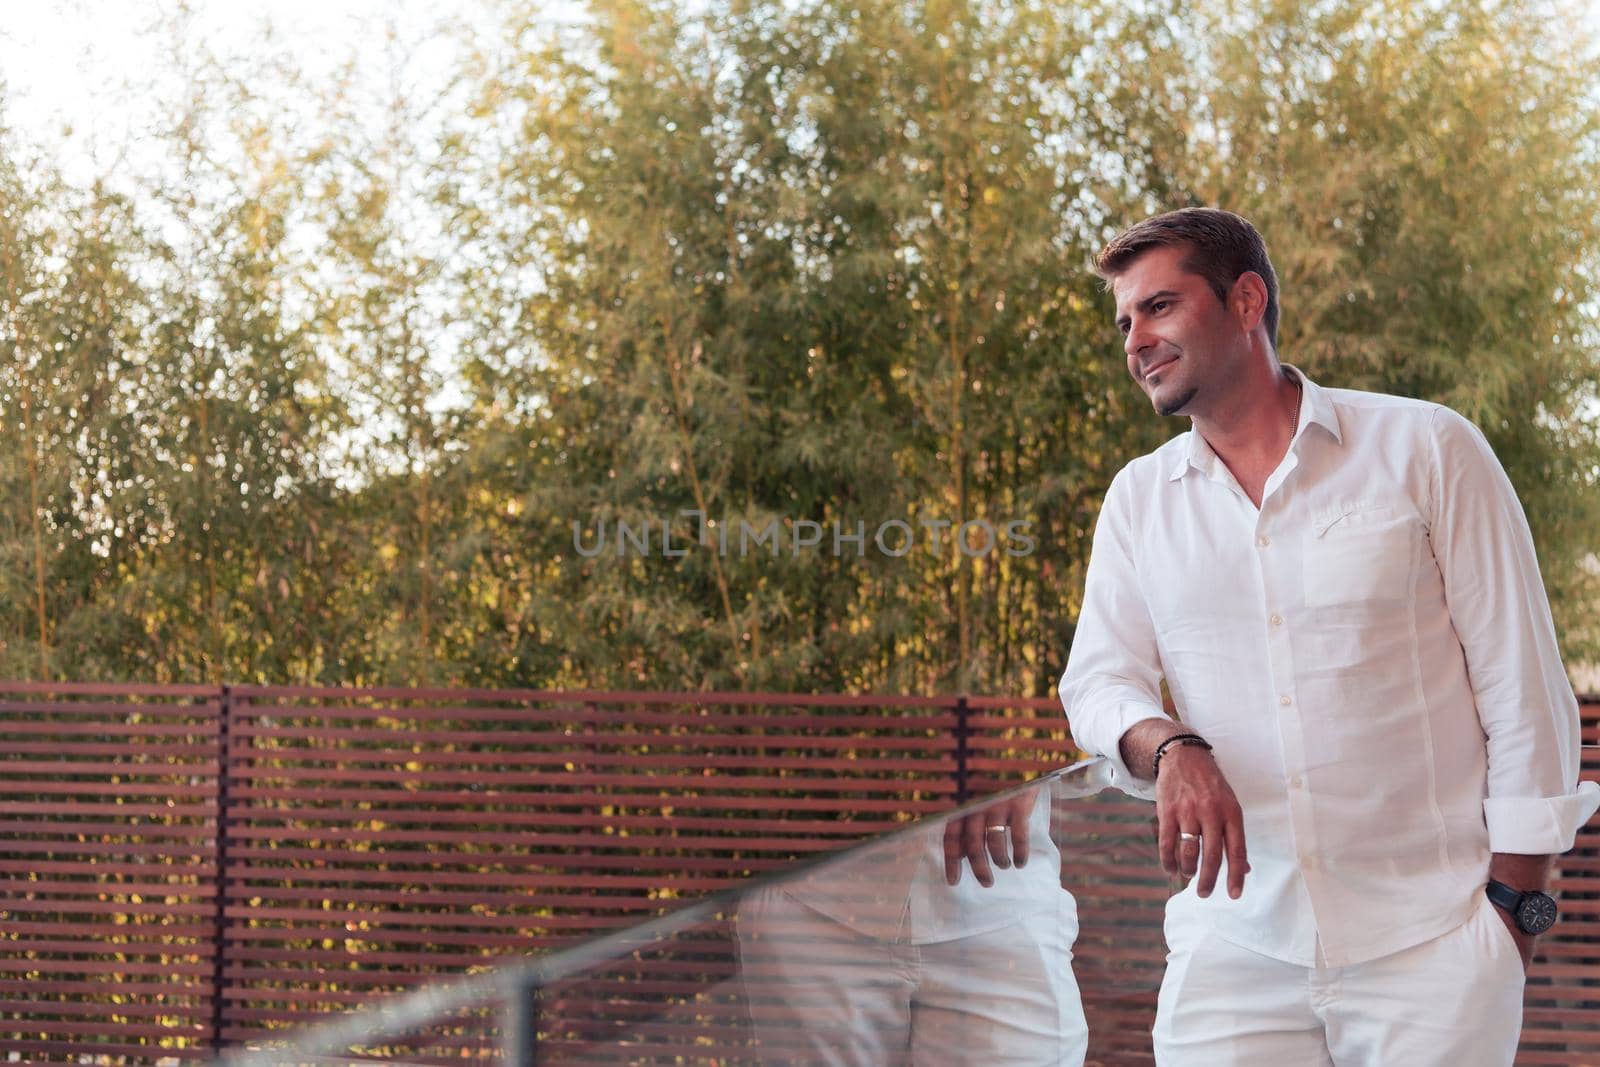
column 1248, row 300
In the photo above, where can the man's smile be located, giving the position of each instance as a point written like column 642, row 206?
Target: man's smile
column 1161, row 364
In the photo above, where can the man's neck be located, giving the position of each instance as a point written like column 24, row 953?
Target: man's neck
column 1254, row 422
column 1250, row 430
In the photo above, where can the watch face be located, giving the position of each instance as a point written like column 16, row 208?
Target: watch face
column 1536, row 914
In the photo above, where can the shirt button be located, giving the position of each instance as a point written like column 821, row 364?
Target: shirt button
column 1277, row 620
column 1308, row 863
column 1296, row 782
column 1263, row 542
column 1285, row 701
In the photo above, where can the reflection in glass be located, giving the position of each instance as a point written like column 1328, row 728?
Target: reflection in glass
column 947, row 943
column 877, row 958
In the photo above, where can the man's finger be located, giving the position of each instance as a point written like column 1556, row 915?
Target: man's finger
column 977, row 851
column 1211, row 858
column 1019, row 836
column 997, row 838
column 1167, row 840
column 1189, row 852
column 1238, row 860
column 952, row 851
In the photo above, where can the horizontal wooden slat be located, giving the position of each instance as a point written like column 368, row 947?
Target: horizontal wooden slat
column 280, row 921
column 602, row 882
column 39, row 1010
column 141, row 829
column 588, row 723
column 122, row 943
column 14, row 788
column 333, row 698
column 170, row 809
column 74, row 1047
column 337, row 813
column 568, row 895
column 162, row 850
column 730, row 737
column 436, row 898
column 107, row 986
column 443, row 956
column 173, row 905
column 107, row 1027
column 170, row 770
column 203, row 711
column 173, row 971
column 41, row 728
column 514, row 783
column 675, row 799
column 636, row 845
column 182, row 865
column 205, row 748
column 573, row 757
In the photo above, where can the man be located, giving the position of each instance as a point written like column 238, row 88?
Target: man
column 1340, row 591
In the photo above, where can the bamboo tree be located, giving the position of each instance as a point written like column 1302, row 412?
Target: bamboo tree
column 321, row 399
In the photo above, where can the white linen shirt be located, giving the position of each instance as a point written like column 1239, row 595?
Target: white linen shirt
column 1371, row 653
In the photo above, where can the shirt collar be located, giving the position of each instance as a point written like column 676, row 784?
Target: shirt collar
column 1316, row 409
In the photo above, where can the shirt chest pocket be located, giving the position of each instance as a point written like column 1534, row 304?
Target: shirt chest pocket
column 1360, row 556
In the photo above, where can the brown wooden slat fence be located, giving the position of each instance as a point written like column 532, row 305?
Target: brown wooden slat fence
column 372, row 839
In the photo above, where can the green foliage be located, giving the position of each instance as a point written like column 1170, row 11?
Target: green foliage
column 801, row 267
column 324, row 401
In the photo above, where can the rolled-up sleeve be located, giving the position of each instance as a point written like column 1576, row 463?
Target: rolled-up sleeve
column 1535, row 803
column 1113, row 675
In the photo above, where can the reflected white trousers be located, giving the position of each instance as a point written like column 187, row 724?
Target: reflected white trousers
column 820, row 993
column 1454, row 1001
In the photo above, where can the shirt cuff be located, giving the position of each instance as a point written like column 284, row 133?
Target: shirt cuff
column 1539, row 826
column 1119, row 720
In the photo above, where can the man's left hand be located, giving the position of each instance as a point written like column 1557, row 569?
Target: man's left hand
column 1520, row 872
column 1524, row 941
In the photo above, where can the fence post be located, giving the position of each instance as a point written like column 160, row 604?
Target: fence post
column 220, row 931
column 519, row 1038
column 963, row 749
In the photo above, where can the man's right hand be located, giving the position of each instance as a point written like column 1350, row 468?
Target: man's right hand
column 1193, row 798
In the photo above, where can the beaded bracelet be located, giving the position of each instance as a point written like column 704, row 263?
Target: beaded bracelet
column 1175, row 739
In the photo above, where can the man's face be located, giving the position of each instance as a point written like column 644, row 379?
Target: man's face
column 1181, row 341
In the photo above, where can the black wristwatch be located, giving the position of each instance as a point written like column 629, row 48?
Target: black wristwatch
column 1535, row 912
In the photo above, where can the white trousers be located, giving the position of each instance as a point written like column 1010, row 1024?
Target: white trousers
column 821, row 993
column 1454, row 1001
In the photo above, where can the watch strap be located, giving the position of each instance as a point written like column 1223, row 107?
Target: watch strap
column 1503, row 896
column 1533, row 910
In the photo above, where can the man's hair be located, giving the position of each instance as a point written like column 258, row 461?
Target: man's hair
column 1221, row 245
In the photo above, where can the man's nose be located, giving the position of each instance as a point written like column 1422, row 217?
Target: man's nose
column 1136, row 341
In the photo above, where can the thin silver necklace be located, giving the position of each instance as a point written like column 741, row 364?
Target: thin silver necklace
column 1294, row 419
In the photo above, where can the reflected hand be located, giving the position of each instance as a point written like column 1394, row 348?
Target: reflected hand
column 998, row 833
column 1199, row 821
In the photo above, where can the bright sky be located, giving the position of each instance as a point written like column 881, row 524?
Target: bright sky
column 89, row 78
column 89, row 65
column 67, row 63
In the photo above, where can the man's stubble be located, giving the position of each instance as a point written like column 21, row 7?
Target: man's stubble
column 1172, row 407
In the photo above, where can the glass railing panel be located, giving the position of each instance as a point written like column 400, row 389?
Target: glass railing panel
column 961, row 938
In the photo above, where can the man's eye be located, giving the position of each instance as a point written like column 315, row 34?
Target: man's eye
column 1158, row 305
